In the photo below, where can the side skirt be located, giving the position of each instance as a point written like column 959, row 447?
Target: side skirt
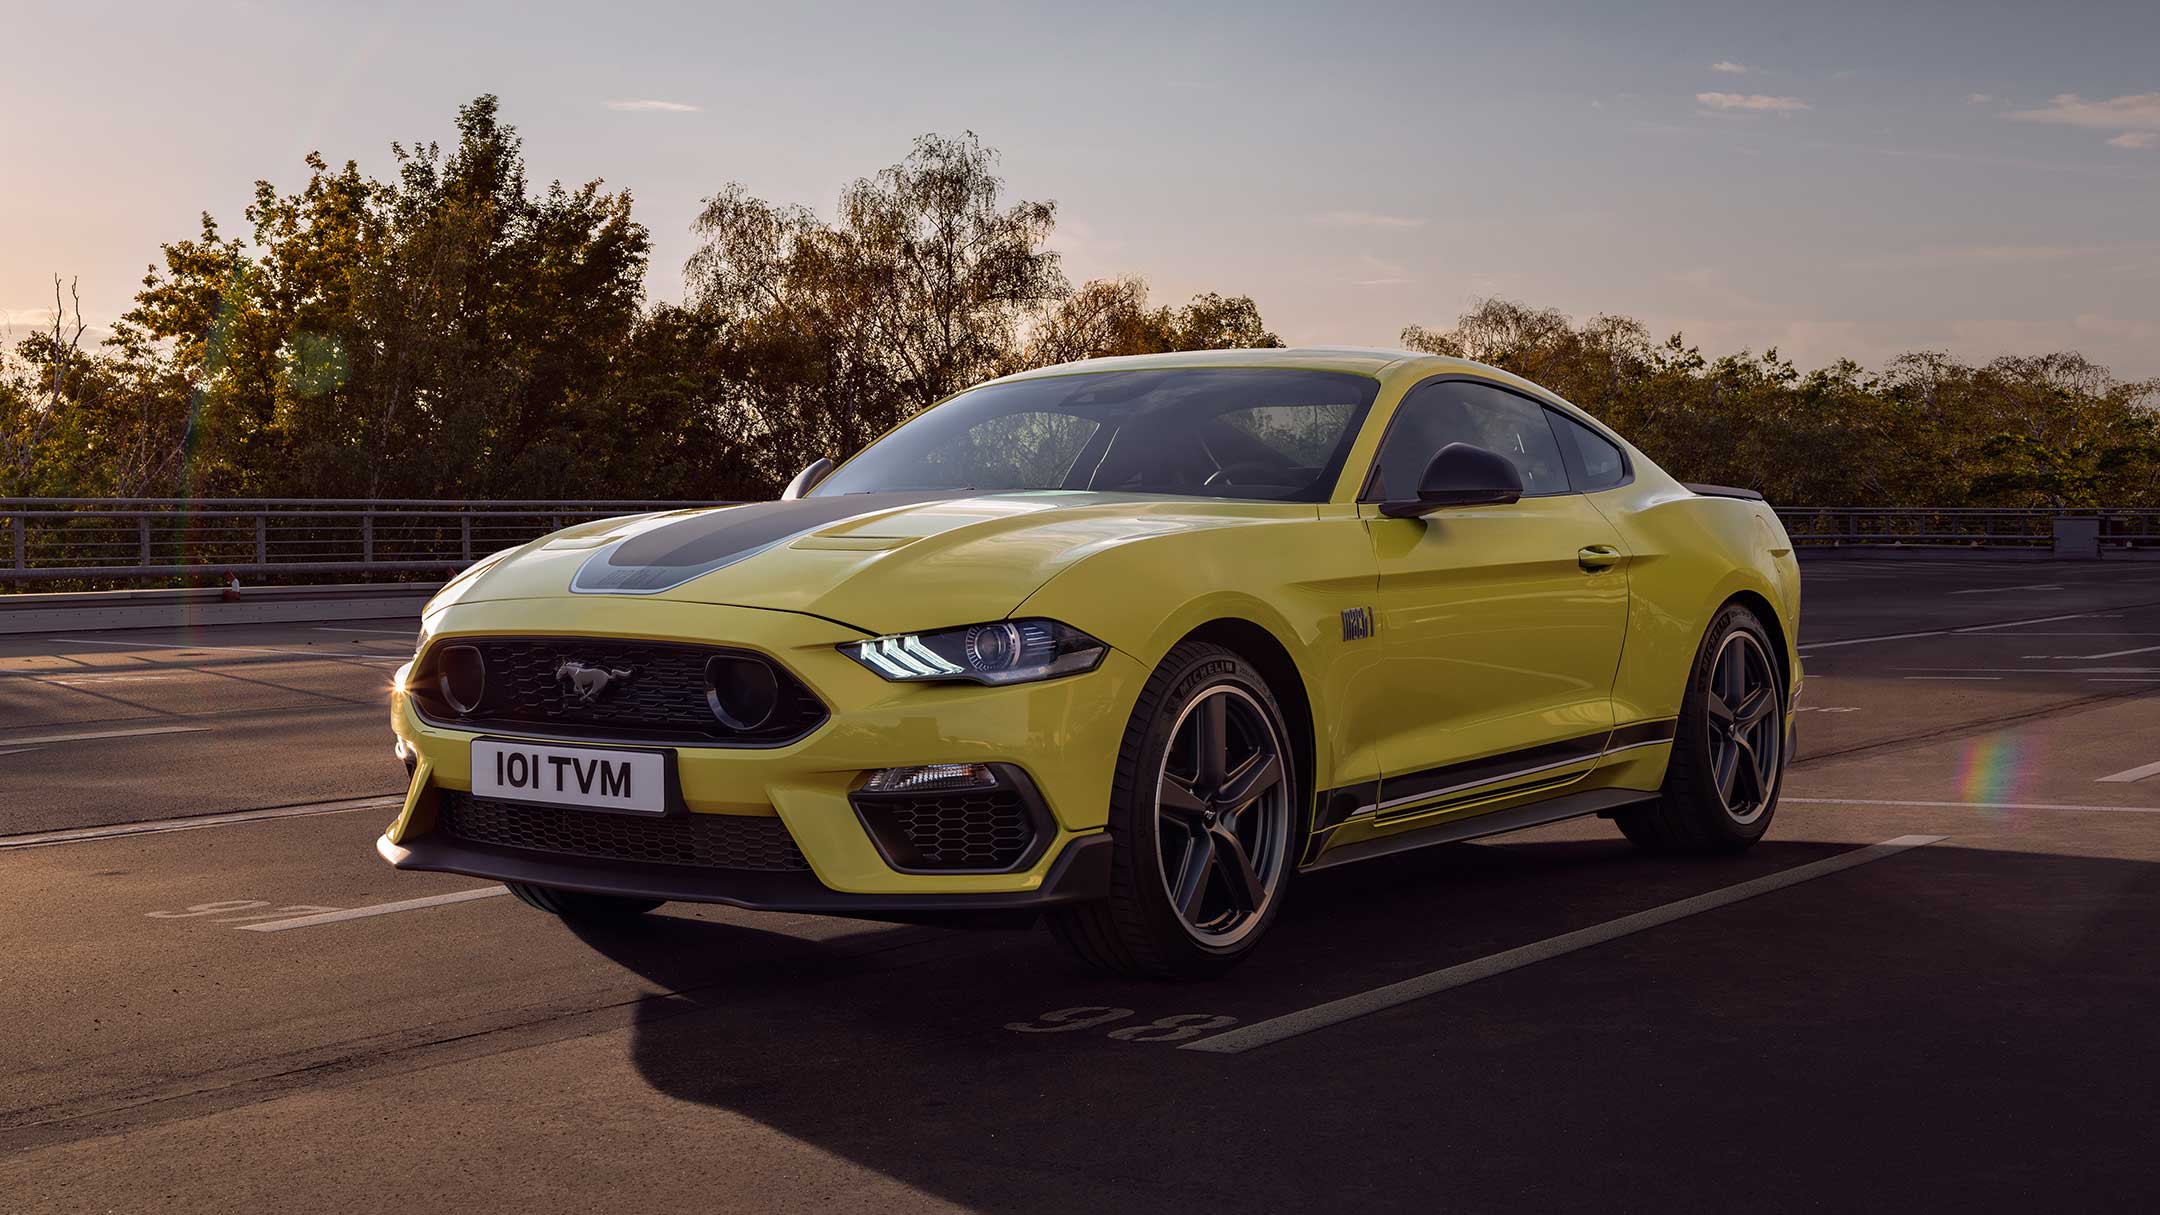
column 1498, row 822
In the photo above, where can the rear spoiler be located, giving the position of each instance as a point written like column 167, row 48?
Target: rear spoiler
column 1723, row 491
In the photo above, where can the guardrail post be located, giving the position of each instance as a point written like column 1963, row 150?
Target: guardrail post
column 17, row 524
column 367, row 537
column 465, row 537
column 142, row 534
column 262, row 539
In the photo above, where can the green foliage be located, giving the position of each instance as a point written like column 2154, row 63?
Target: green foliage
column 453, row 331
column 1112, row 317
column 2051, row 430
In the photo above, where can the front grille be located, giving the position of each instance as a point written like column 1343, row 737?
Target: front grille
column 663, row 698
column 981, row 830
column 711, row 841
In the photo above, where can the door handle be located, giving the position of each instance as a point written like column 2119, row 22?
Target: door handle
column 1595, row 557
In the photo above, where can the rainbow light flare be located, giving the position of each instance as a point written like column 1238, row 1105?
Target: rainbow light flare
column 1992, row 770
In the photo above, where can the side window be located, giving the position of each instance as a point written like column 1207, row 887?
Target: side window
column 1602, row 464
column 1459, row 411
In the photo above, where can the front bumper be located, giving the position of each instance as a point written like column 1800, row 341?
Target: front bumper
column 1063, row 734
column 1080, row 872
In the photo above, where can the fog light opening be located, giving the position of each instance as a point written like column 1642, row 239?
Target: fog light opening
column 928, row 778
column 464, row 678
column 742, row 692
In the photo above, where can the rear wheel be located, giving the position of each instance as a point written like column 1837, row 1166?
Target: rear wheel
column 1728, row 758
column 1202, row 823
column 579, row 907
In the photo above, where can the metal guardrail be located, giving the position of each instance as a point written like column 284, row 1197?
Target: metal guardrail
column 112, row 541
column 119, row 540
column 1967, row 527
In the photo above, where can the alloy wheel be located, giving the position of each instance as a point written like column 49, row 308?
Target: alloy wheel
column 1222, row 815
column 1746, row 729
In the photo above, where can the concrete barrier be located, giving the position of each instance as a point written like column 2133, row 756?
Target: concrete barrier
column 168, row 609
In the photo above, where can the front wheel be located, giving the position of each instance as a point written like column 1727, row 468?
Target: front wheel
column 1201, row 816
column 1728, row 757
column 579, row 907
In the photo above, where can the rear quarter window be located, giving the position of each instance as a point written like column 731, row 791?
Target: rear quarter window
column 1603, row 464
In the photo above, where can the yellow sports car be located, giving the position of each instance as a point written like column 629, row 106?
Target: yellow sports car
column 1125, row 643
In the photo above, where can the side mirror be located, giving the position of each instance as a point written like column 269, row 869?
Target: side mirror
column 807, row 479
column 1461, row 475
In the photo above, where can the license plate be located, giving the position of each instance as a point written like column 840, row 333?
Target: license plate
column 602, row 778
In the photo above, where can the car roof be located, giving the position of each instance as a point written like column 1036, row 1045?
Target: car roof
column 1361, row 360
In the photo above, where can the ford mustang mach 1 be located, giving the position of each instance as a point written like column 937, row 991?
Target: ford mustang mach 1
column 1125, row 644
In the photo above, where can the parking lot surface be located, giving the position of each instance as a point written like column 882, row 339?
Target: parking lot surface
column 1932, row 987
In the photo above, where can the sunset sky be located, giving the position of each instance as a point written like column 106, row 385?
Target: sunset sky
column 1829, row 178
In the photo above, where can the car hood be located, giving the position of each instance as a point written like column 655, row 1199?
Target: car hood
column 881, row 563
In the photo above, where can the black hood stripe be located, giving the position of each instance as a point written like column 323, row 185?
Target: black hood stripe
column 674, row 553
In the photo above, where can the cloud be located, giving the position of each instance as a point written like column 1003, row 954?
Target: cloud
column 2136, row 139
column 1978, row 98
column 1751, row 101
column 1382, row 273
column 2130, row 112
column 2128, row 329
column 1727, row 65
column 2130, row 256
column 1712, row 286
column 1366, row 219
column 19, row 323
column 651, row 104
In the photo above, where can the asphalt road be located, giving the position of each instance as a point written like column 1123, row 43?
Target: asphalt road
column 1967, row 1022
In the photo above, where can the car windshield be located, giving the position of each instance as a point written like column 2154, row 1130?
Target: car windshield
column 1221, row 432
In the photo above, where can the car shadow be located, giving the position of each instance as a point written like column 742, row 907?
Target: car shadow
column 1948, row 1026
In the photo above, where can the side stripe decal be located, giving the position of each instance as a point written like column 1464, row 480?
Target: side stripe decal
column 1339, row 805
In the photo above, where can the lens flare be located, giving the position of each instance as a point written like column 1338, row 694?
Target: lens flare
column 1993, row 769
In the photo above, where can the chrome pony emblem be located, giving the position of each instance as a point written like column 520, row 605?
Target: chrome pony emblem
column 589, row 684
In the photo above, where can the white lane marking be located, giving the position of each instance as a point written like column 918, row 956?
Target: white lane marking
column 382, row 632
column 18, row 751
column 1994, row 590
column 74, row 680
column 2148, row 649
column 2124, row 679
column 1971, row 628
column 136, row 733
column 1891, row 801
column 1335, row 1012
column 361, row 913
column 2011, row 624
column 326, row 655
column 2128, row 775
column 75, row 835
column 1996, row 678
column 2033, row 669
column 1825, row 645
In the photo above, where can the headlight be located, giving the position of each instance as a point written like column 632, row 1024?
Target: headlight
column 1003, row 651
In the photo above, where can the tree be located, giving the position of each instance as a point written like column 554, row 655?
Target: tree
column 830, row 334
column 1929, row 430
column 443, row 333
column 35, row 397
column 452, row 331
column 1111, row 317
